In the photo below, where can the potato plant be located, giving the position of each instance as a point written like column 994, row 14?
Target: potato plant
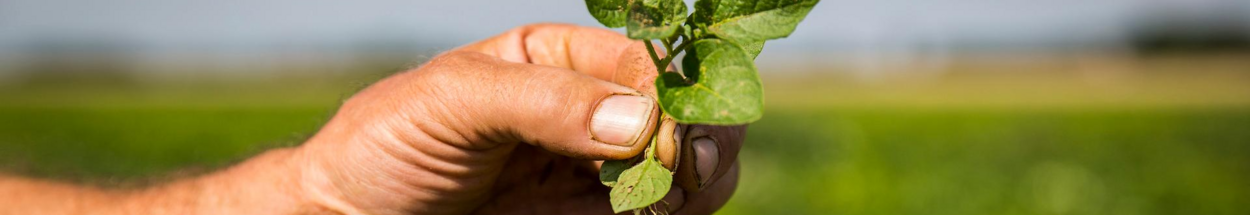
column 717, row 83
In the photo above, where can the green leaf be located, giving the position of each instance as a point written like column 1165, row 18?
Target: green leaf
column 640, row 186
column 724, row 87
column 655, row 19
column 752, row 48
column 611, row 13
column 611, row 170
column 689, row 68
column 750, row 20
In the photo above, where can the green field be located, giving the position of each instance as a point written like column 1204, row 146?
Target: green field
column 1174, row 143
column 997, row 162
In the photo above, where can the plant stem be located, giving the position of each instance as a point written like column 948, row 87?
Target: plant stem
column 673, row 39
column 654, row 58
column 667, row 60
column 662, row 64
column 682, row 47
column 650, row 151
column 673, row 55
column 668, row 46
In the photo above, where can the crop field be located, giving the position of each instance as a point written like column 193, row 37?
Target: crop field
column 1173, row 141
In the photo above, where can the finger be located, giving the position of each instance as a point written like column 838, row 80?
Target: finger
column 673, row 201
column 565, row 112
column 594, row 51
column 707, row 154
column 714, row 196
column 668, row 139
column 598, row 52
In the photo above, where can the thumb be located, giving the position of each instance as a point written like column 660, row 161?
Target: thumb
column 560, row 110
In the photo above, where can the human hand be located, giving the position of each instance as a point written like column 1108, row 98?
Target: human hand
column 510, row 125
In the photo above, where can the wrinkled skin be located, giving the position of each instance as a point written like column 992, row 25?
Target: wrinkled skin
column 500, row 127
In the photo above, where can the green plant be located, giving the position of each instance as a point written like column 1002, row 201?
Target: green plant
column 717, row 83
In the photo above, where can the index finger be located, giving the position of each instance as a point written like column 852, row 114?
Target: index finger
column 600, row 53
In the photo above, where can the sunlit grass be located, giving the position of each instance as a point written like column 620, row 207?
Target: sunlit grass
column 996, row 162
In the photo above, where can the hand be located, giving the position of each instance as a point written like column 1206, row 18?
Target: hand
column 509, row 125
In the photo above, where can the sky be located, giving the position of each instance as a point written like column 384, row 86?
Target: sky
column 162, row 27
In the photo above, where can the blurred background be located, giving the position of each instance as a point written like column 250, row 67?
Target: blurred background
column 873, row 107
